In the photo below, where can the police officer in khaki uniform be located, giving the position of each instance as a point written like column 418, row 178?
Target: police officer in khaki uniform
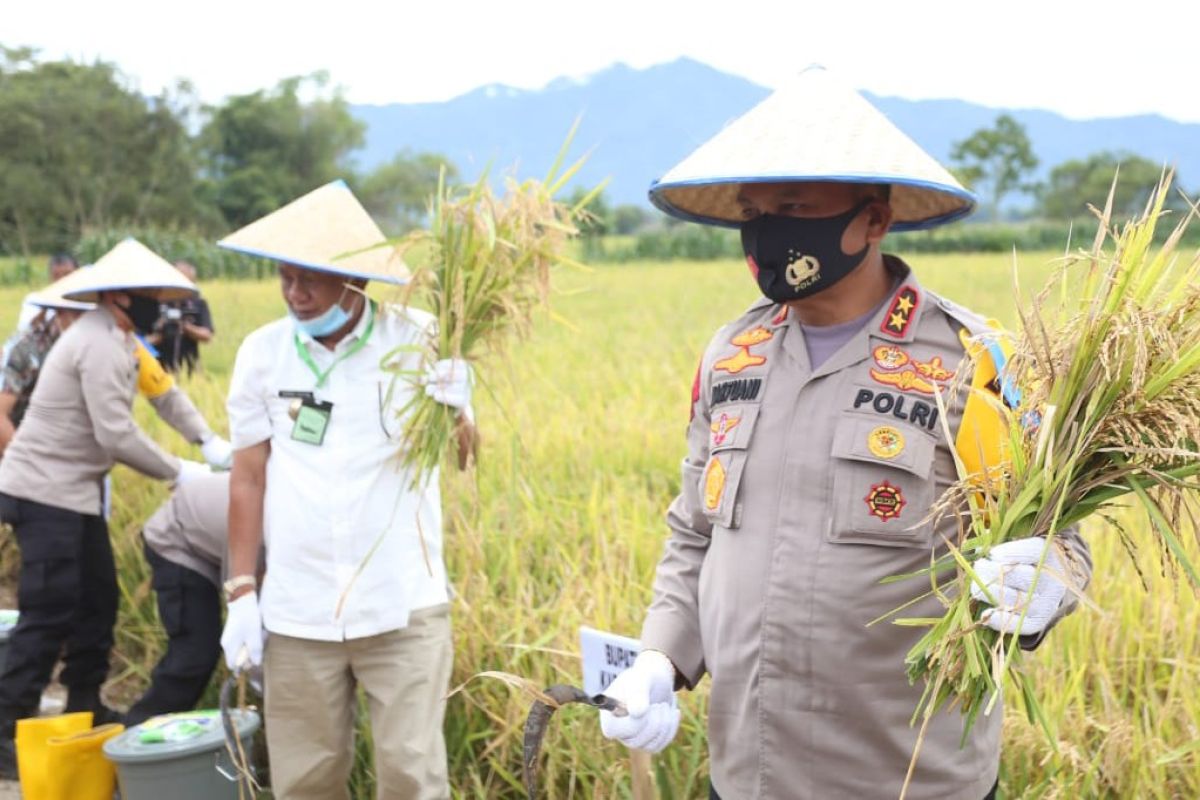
column 79, row 424
column 816, row 449
column 186, row 541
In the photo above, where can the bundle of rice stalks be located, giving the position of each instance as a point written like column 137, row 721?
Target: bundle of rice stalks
column 1107, row 368
column 483, row 266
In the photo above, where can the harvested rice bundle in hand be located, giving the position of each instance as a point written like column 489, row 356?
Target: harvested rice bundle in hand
column 483, row 267
column 1103, row 392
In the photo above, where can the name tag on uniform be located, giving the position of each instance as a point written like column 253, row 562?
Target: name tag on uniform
column 310, row 417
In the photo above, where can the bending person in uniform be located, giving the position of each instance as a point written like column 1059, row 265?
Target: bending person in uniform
column 78, row 425
column 815, row 453
column 185, row 544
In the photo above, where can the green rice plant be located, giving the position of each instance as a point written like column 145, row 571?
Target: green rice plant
column 1108, row 365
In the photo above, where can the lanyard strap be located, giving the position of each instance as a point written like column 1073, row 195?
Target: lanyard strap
column 307, row 358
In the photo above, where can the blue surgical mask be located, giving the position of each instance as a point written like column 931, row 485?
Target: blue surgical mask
column 332, row 320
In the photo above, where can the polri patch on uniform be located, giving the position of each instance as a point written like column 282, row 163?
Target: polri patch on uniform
column 900, row 313
column 735, row 391
column 885, row 442
column 902, row 407
column 714, row 484
column 743, row 358
column 722, row 428
column 885, row 501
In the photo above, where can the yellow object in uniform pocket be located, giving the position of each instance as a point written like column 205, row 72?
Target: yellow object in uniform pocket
column 153, row 380
column 982, row 440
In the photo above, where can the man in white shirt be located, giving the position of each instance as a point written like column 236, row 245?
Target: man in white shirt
column 355, row 591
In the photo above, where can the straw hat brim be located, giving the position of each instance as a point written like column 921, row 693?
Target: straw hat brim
column 812, row 129
column 916, row 205
column 327, row 230
column 45, row 300
column 128, row 267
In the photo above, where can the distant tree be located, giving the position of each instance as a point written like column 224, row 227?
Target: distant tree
column 266, row 148
column 398, row 193
column 629, row 219
column 80, row 149
column 599, row 218
column 999, row 158
column 1073, row 185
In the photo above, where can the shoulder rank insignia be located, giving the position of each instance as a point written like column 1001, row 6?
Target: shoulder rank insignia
column 744, row 358
column 900, row 312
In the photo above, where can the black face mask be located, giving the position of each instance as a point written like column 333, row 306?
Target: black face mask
column 142, row 312
column 794, row 257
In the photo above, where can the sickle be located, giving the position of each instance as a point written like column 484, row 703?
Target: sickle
column 539, row 718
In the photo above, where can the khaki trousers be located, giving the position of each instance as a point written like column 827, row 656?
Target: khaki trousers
column 310, row 705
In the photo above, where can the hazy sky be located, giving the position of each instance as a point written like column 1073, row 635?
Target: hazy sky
column 1082, row 59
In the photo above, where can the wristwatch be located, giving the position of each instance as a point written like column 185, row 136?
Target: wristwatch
column 237, row 582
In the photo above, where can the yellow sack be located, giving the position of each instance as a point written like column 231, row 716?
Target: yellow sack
column 77, row 768
column 33, row 761
column 153, row 380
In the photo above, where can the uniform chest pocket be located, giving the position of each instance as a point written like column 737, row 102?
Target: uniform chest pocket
column 720, row 482
column 883, row 483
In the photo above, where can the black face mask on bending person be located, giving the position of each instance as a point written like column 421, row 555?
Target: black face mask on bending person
column 794, row 257
column 142, row 312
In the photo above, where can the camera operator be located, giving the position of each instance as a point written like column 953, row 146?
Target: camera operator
column 182, row 325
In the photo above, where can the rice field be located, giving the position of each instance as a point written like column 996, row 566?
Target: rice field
column 562, row 525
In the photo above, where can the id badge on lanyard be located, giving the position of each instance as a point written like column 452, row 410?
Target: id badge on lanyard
column 310, row 417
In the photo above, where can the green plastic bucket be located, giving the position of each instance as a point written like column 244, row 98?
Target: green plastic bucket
column 179, row 756
column 8, row 621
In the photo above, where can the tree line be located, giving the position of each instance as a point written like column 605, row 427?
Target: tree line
column 81, row 151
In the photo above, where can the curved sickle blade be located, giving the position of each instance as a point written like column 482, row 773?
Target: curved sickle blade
column 539, row 719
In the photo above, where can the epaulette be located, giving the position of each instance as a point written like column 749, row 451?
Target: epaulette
column 976, row 331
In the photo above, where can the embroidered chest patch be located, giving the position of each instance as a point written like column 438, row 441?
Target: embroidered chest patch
column 885, row 501
column 896, row 368
column 714, row 484
column 885, row 442
column 743, row 358
column 722, row 428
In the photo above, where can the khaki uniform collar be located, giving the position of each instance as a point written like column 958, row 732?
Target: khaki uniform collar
column 896, row 321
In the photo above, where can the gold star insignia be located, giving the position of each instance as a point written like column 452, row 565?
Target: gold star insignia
column 897, row 321
column 904, row 304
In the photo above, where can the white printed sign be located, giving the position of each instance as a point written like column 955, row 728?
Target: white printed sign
column 605, row 656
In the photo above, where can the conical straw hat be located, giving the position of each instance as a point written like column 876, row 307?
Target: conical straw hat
column 130, row 266
column 52, row 295
column 327, row 230
column 813, row 129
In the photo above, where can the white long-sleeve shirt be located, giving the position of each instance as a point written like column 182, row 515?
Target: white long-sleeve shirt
column 327, row 505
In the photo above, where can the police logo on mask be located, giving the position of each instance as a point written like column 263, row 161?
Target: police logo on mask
column 801, row 270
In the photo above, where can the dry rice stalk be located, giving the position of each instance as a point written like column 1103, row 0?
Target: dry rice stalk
column 484, row 266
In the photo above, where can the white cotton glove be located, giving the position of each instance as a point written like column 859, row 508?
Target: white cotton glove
column 449, row 381
column 1008, row 571
column 189, row 470
column 648, row 691
column 243, row 631
column 217, row 452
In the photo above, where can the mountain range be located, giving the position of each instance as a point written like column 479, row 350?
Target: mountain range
column 637, row 123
